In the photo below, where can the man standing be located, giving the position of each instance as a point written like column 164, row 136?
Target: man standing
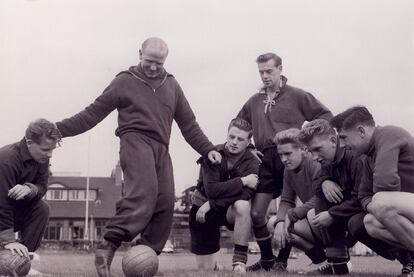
column 387, row 193
column 24, row 173
column 276, row 107
column 222, row 198
column 148, row 99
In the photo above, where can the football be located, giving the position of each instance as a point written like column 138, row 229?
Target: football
column 140, row 261
column 13, row 264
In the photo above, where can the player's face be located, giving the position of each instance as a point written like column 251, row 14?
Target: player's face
column 353, row 139
column 270, row 74
column 323, row 148
column 291, row 155
column 237, row 140
column 152, row 61
column 41, row 152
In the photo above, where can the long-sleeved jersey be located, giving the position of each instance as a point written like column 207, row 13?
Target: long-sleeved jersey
column 222, row 186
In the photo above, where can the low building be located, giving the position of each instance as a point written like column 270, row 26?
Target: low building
column 66, row 197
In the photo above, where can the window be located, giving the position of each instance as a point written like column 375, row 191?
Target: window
column 99, row 229
column 53, row 230
column 54, row 194
column 77, row 195
column 77, row 229
column 80, row 195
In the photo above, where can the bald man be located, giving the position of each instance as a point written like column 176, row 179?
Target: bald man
column 148, row 99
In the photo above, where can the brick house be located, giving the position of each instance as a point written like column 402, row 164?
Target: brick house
column 66, row 197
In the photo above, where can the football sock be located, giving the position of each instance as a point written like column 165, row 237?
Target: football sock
column 316, row 254
column 240, row 253
column 264, row 240
column 266, row 250
column 284, row 253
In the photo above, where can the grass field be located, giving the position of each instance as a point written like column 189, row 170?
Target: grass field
column 183, row 264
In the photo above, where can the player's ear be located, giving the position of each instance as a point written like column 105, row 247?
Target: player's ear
column 361, row 131
column 140, row 54
column 29, row 142
column 333, row 139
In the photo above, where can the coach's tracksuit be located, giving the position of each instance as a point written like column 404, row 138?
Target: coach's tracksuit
column 29, row 215
column 146, row 110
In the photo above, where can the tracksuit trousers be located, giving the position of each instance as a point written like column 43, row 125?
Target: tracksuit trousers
column 147, row 205
column 30, row 219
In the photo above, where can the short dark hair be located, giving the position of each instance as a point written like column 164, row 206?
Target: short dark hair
column 242, row 125
column 42, row 128
column 269, row 56
column 317, row 127
column 352, row 117
column 288, row 136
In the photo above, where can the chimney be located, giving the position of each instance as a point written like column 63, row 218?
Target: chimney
column 118, row 175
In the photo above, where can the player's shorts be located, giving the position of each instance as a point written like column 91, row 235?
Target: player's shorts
column 205, row 237
column 270, row 173
column 269, row 189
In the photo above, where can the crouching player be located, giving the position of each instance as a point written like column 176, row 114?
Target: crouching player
column 290, row 224
column 24, row 173
column 388, row 194
column 222, row 199
column 336, row 191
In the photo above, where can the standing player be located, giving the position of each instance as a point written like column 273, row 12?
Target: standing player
column 290, row 224
column 337, row 188
column 222, row 199
column 24, row 174
column 390, row 152
column 148, row 99
column 276, row 107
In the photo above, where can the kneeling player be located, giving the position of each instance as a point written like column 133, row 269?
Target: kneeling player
column 291, row 224
column 336, row 191
column 222, row 199
column 24, row 173
column 388, row 195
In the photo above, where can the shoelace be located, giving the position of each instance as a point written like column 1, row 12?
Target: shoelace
column 280, row 265
column 268, row 103
column 408, row 268
column 256, row 266
column 325, row 267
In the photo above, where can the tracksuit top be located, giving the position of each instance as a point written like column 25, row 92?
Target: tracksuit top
column 300, row 183
column 390, row 164
column 18, row 167
column 144, row 106
column 289, row 109
column 222, row 186
column 345, row 171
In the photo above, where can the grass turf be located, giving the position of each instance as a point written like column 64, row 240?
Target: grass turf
column 183, row 264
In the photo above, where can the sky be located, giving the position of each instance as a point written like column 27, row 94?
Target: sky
column 57, row 56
